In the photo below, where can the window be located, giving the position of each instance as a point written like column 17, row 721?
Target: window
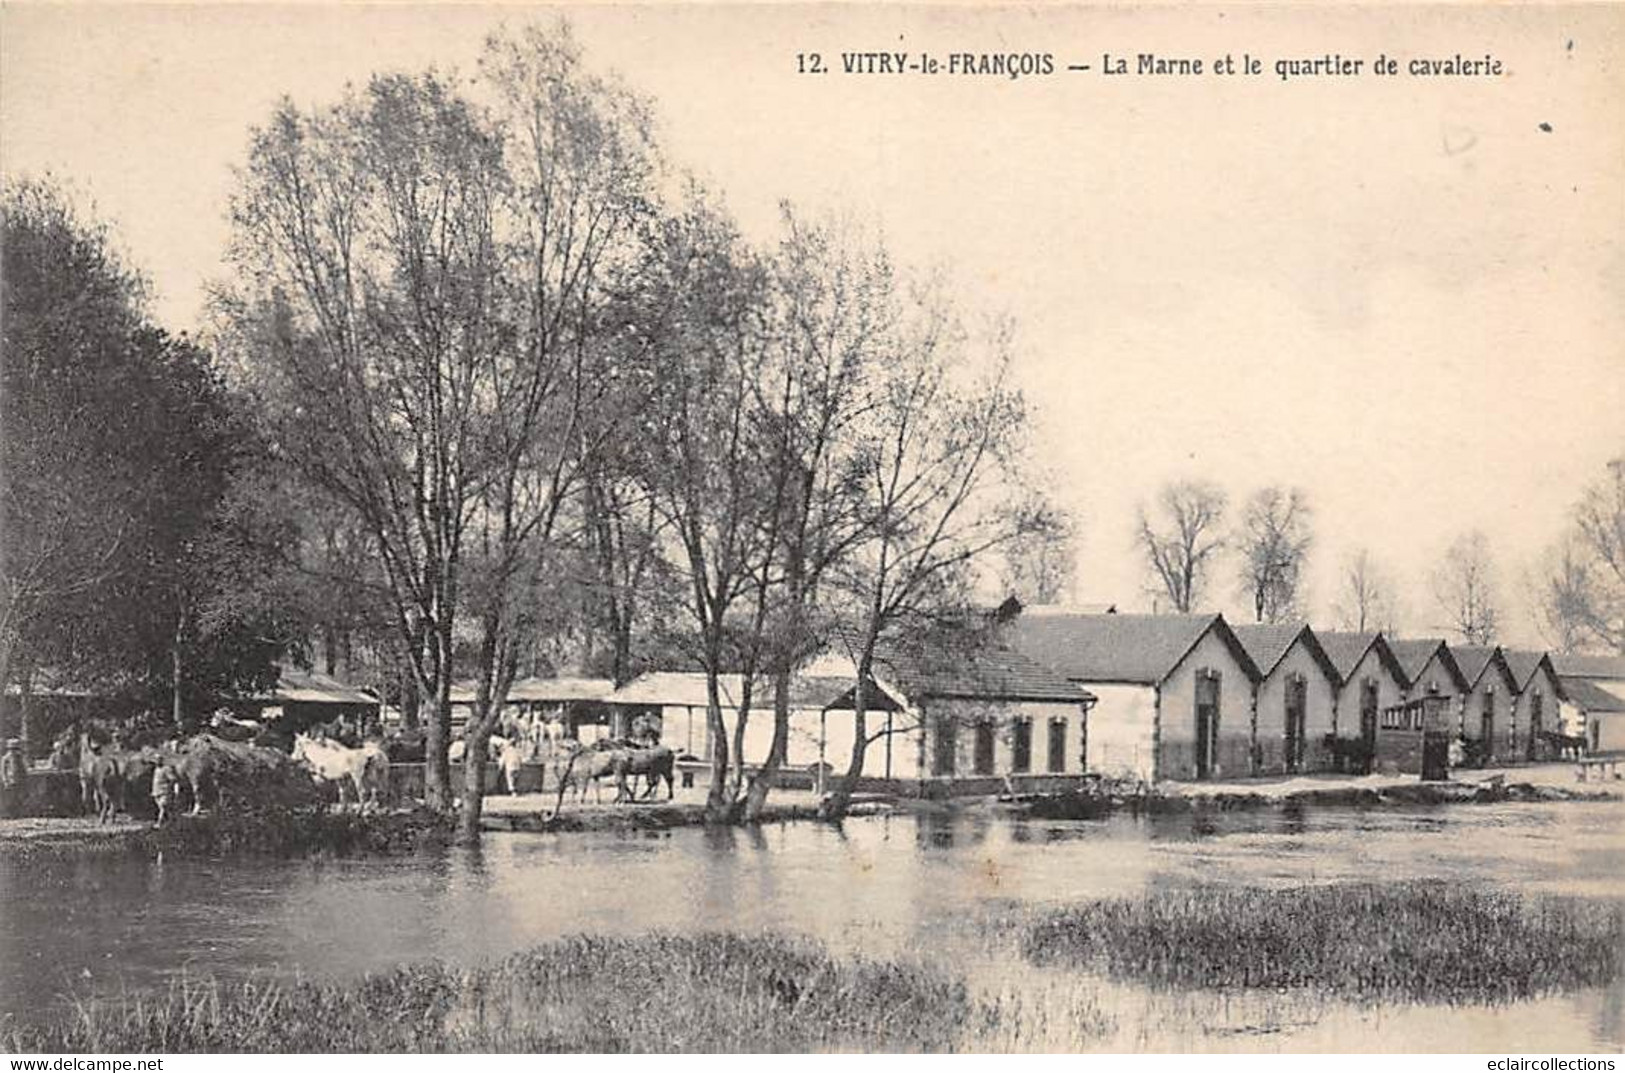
column 945, row 743
column 1057, row 746
column 1021, row 745
column 982, row 757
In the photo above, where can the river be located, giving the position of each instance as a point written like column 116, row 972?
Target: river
column 911, row 885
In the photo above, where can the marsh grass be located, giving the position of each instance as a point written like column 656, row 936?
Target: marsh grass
column 1412, row 941
column 598, row 994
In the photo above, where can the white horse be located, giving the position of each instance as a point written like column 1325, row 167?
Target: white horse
column 366, row 768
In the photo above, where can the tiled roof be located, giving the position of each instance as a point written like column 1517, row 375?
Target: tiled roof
column 311, row 687
column 1110, row 648
column 1523, row 663
column 1591, row 696
column 1413, row 655
column 555, row 690
column 687, row 689
column 1590, row 666
column 1267, row 642
column 982, row 671
column 1472, row 659
column 1346, row 649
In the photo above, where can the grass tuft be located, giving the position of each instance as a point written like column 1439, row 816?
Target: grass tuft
column 1412, row 941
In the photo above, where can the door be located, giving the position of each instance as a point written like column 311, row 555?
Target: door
column 1368, row 724
column 1486, row 726
column 1207, row 723
column 1536, row 717
column 1297, row 704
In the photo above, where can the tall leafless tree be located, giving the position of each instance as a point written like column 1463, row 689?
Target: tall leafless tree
column 1465, row 590
column 1365, row 599
column 1181, row 538
column 1273, row 544
column 1581, row 590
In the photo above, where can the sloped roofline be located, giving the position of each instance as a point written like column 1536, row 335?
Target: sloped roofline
column 1228, row 636
column 1497, row 656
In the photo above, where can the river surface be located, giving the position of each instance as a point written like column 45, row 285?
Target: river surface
column 909, row 885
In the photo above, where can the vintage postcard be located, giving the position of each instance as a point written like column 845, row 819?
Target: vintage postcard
column 896, row 527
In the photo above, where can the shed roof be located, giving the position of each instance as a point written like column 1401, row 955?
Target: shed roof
column 1268, row 644
column 977, row 671
column 310, row 687
column 1347, row 648
column 1592, row 697
column 556, row 690
column 1140, row 649
column 1524, row 663
column 1572, row 666
column 687, row 689
column 1413, row 655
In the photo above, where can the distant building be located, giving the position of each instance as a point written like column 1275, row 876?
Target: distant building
column 1539, row 705
column 1174, row 692
column 1430, row 671
column 1597, row 713
column 1296, row 703
column 1489, row 704
column 1373, row 681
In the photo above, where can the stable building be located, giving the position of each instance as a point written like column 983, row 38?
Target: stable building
column 1373, row 681
column 1295, row 704
column 1489, row 704
column 1174, row 693
column 1597, row 713
column 1430, row 671
column 1537, row 710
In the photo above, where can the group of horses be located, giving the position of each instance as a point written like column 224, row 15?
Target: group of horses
column 204, row 769
column 201, row 770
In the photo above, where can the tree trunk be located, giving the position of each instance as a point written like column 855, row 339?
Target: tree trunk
column 839, row 800
column 762, row 784
column 25, row 708
column 718, row 808
column 177, row 710
column 476, row 747
column 436, row 740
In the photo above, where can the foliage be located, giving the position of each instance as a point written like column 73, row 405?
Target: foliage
column 126, row 553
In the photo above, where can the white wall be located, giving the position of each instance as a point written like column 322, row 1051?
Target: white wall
column 1176, row 750
column 1120, row 740
column 1320, row 704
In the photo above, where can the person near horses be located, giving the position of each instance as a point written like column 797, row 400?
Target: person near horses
column 164, row 781
column 12, row 772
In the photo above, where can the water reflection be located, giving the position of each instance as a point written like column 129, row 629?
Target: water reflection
column 883, row 885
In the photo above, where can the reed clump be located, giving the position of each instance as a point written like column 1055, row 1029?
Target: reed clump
column 659, row 992
column 1417, row 941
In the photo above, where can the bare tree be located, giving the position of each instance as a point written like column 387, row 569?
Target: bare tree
column 1365, row 599
column 1562, row 592
column 1464, row 590
column 1274, row 543
column 1181, row 539
column 1039, row 566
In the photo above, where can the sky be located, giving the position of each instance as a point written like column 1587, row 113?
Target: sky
column 1405, row 295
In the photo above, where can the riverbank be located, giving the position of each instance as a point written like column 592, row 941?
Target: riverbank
column 652, row 993
column 1304, row 950
column 282, row 834
column 288, row 832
